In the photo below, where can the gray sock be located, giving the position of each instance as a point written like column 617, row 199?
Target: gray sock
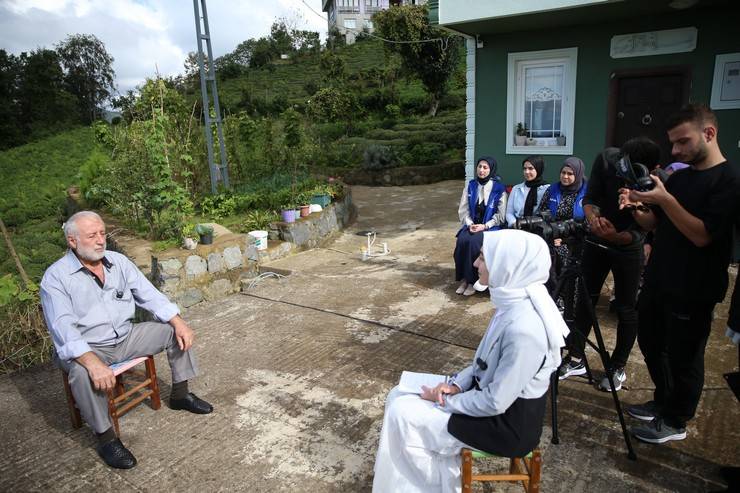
column 179, row 390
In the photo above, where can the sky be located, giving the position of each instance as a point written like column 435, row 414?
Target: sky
column 144, row 36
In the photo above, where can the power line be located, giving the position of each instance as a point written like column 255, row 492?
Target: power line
column 432, row 40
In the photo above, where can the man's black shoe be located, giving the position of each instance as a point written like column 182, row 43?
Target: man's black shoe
column 116, row 455
column 191, row 403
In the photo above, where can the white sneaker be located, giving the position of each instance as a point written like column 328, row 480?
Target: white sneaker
column 461, row 288
column 619, row 378
column 469, row 291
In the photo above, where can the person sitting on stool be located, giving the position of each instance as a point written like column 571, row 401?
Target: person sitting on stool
column 88, row 298
column 482, row 208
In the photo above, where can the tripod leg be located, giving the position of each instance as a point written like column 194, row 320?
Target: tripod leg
column 588, row 369
column 609, row 373
column 554, row 406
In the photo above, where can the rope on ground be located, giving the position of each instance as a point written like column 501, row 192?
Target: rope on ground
column 364, row 320
column 262, row 276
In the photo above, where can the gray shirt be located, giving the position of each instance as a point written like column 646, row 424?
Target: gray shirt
column 79, row 312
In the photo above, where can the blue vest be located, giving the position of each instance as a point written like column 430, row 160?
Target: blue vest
column 556, row 194
column 492, row 206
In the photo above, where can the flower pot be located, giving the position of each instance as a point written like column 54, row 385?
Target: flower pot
column 520, row 140
column 561, row 140
column 206, row 239
column 322, row 199
column 297, row 213
column 305, row 210
column 531, row 142
column 288, row 215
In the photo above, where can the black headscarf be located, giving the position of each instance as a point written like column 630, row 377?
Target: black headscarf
column 492, row 165
column 538, row 163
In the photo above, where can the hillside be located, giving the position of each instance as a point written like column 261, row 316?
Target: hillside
column 33, row 194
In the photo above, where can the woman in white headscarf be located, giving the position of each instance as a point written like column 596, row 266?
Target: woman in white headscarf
column 496, row 404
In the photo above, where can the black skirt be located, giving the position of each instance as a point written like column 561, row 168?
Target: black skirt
column 514, row 433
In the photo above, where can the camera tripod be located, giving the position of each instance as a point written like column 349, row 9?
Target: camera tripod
column 572, row 270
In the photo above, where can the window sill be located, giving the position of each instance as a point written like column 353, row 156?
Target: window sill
column 545, row 150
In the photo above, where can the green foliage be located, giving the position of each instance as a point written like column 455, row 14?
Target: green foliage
column 218, row 206
column 333, row 67
column 377, row 157
column 203, row 229
column 330, row 104
column 142, row 185
column 258, row 220
column 88, row 72
column 433, row 62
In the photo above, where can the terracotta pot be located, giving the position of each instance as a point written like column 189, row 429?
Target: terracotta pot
column 305, row 210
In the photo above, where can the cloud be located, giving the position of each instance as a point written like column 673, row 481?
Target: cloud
column 144, row 34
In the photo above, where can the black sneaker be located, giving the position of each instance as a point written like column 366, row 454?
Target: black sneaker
column 570, row 368
column 618, row 377
column 645, row 412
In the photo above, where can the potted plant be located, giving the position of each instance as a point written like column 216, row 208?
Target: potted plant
column 561, row 140
column 303, row 199
column 520, row 138
column 288, row 214
column 205, row 232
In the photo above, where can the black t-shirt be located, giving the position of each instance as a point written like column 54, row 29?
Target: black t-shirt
column 679, row 268
column 603, row 192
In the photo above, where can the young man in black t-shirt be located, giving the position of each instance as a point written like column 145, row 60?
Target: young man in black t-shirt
column 615, row 243
column 686, row 276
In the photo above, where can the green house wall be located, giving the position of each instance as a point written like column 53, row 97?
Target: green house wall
column 716, row 35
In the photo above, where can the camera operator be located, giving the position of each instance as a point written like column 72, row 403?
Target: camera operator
column 692, row 216
column 614, row 243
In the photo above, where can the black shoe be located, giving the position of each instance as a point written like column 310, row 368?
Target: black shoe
column 116, row 455
column 191, row 403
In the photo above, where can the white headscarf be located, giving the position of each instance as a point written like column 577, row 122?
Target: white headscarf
column 518, row 266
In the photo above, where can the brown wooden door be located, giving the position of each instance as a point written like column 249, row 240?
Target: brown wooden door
column 641, row 103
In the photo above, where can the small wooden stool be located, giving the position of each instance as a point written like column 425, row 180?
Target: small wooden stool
column 120, row 400
column 529, row 477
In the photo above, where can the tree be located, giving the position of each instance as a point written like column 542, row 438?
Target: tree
column 433, row 62
column 10, row 133
column 43, row 100
column 333, row 68
column 88, row 72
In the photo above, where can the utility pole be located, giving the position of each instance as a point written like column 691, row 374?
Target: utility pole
column 219, row 173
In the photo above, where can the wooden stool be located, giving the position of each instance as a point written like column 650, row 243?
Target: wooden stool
column 120, row 400
column 529, row 477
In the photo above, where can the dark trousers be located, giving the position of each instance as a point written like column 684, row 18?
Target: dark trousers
column 672, row 335
column 626, row 267
column 467, row 250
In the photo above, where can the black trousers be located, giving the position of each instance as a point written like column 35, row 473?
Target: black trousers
column 672, row 335
column 626, row 267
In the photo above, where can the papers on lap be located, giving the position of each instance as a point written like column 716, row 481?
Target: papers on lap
column 411, row 382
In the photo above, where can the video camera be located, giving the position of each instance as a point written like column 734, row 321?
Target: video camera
column 636, row 176
column 545, row 227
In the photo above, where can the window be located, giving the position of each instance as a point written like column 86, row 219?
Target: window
column 372, row 6
column 350, row 23
column 348, row 5
column 541, row 93
column 369, row 24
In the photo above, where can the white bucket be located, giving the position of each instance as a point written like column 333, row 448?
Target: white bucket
column 261, row 239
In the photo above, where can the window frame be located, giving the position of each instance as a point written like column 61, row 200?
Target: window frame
column 514, row 97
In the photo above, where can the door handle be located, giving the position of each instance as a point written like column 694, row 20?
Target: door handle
column 647, row 119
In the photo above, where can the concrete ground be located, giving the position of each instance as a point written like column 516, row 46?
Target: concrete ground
column 298, row 369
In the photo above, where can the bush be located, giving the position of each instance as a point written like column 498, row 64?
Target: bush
column 377, row 157
column 414, row 104
column 426, row 154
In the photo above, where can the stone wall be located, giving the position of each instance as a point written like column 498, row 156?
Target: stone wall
column 317, row 228
column 406, row 175
column 214, row 271
column 209, row 272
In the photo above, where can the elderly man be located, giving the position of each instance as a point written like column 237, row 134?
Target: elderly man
column 89, row 297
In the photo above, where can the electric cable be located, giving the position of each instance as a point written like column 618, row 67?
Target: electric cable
column 364, row 320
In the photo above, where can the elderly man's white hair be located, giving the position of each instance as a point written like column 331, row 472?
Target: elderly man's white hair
column 70, row 227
